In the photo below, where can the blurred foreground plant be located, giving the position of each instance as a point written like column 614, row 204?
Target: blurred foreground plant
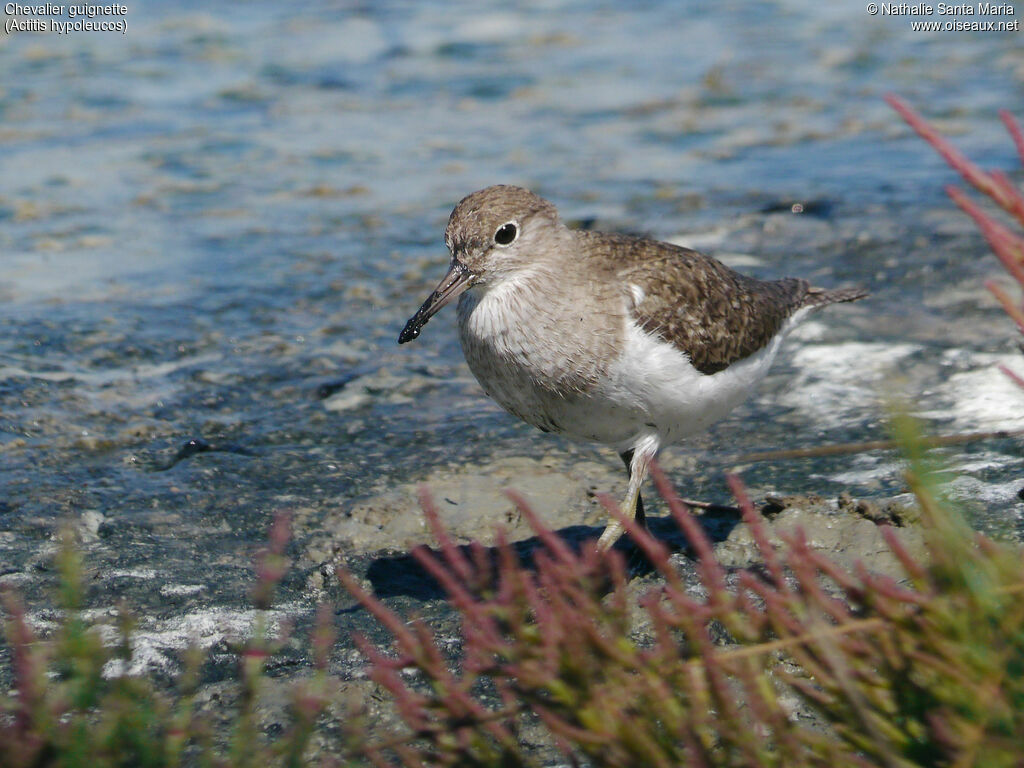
column 1006, row 244
column 795, row 663
column 75, row 704
column 926, row 672
column 923, row 673
column 63, row 710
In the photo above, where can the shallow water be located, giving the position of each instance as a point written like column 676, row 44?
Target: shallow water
column 214, row 226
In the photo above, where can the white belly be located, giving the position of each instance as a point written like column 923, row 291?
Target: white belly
column 650, row 392
column 676, row 400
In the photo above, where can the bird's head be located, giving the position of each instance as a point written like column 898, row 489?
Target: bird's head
column 493, row 235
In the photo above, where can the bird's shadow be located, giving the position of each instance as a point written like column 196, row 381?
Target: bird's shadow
column 402, row 575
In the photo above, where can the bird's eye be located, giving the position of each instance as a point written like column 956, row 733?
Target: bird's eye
column 506, row 233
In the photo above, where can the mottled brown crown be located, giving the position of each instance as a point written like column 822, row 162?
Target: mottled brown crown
column 477, row 216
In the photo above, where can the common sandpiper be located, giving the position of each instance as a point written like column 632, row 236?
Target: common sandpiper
column 607, row 338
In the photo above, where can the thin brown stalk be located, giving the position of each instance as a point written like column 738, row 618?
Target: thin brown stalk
column 873, row 445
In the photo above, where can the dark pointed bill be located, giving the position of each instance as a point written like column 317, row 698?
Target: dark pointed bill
column 458, row 279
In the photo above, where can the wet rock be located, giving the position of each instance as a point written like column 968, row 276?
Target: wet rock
column 773, row 505
column 886, row 512
column 329, row 388
column 847, row 539
column 380, row 385
column 347, row 400
column 89, row 524
column 471, row 505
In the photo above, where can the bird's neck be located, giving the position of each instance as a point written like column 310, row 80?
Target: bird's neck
column 515, row 302
column 539, row 323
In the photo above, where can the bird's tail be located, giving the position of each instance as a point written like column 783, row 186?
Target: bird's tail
column 819, row 297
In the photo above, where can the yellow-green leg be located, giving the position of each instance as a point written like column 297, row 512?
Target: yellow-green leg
column 633, row 505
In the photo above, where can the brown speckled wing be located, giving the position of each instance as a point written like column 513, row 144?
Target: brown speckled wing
column 714, row 314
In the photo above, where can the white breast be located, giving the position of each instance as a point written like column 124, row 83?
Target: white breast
column 508, row 346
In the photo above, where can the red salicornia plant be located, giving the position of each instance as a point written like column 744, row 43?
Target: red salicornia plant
column 795, row 663
column 1006, row 244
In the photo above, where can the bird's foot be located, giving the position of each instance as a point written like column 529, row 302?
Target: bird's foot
column 612, row 533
